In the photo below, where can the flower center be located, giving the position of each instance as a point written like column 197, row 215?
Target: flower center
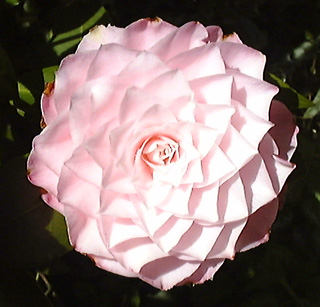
column 160, row 151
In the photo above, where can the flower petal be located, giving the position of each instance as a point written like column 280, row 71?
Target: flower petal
column 214, row 89
column 113, row 56
column 258, row 227
column 249, row 91
column 197, row 242
column 189, row 36
column 284, row 131
column 166, row 272
column 170, row 233
column 71, row 74
column 140, row 35
column 232, row 192
column 199, row 62
column 242, row 58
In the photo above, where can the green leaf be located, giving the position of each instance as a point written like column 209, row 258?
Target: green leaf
column 25, row 94
column 67, row 40
column 58, row 229
column 303, row 101
column 49, row 73
column 315, row 109
column 13, row 2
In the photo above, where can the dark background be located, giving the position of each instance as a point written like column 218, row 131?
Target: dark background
column 37, row 266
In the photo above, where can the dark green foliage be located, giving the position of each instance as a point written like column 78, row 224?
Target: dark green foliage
column 37, row 267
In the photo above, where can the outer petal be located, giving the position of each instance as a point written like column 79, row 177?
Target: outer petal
column 166, row 272
column 113, row 266
column 284, row 131
column 84, row 234
column 197, row 242
column 206, row 271
column 189, row 36
column 170, row 233
column 53, row 146
column 71, row 75
column 258, row 227
column 136, row 253
column 78, row 193
column 199, row 62
column 113, row 56
column 215, row 34
column 249, row 90
column 48, row 108
column 140, row 35
column 279, row 169
column 214, row 89
column 224, row 247
column 243, row 58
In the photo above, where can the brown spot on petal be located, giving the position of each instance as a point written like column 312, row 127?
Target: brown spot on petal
column 227, row 36
column 48, row 88
column 28, row 171
column 155, row 19
column 93, row 28
column 43, row 191
column 42, row 123
column 90, row 257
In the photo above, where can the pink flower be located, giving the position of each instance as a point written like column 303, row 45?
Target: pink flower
column 163, row 150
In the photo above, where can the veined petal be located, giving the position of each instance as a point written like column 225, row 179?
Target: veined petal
column 84, row 234
column 232, row 192
column 136, row 253
column 250, row 126
column 112, row 56
column 113, row 266
column 216, row 167
column 257, row 184
column 169, row 86
column 258, row 226
column 117, row 205
column 206, row 271
column 54, row 145
column 254, row 94
column 224, row 247
column 199, row 62
column 197, row 242
column 149, row 67
column 230, row 145
column 140, row 35
column 170, row 233
column 117, row 230
column 278, row 169
column 71, row 74
column 189, row 36
column 48, row 108
column 214, row 89
column 242, row 58
column 203, row 204
column 78, row 193
column 152, row 218
column 284, row 131
column 215, row 34
column 176, row 271
column 82, row 164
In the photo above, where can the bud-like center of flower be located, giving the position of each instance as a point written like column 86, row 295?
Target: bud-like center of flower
column 160, row 151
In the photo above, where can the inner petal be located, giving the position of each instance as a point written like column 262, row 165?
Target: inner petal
column 160, row 151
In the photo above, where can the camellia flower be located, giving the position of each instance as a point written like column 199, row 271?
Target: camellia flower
column 163, row 149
